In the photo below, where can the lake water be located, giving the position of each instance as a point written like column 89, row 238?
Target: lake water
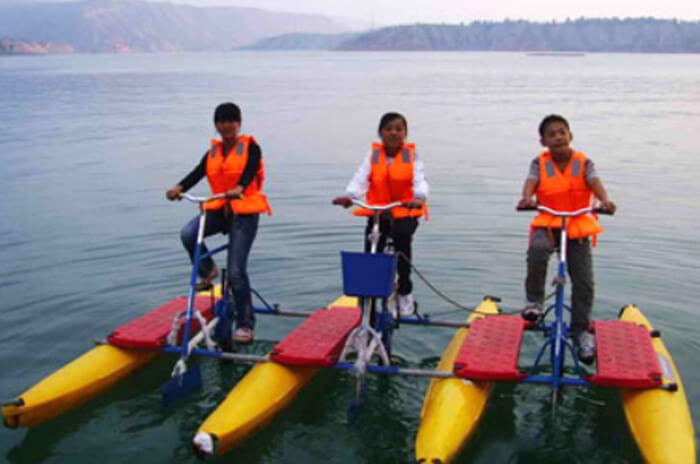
column 89, row 144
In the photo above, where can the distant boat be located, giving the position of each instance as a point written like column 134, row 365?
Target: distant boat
column 556, row 54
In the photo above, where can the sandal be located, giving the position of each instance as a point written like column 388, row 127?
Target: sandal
column 206, row 283
column 532, row 312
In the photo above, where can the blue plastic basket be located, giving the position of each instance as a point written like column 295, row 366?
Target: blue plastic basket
column 367, row 274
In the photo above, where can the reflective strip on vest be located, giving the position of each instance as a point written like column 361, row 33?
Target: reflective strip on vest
column 391, row 179
column 576, row 168
column 550, row 168
column 565, row 191
column 224, row 172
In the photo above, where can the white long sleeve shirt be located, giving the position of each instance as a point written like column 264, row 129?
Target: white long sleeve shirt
column 359, row 184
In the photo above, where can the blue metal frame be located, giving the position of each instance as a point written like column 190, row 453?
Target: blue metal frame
column 558, row 334
column 385, row 323
column 193, row 282
column 183, row 349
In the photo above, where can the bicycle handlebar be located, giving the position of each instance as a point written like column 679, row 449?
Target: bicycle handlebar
column 376, row 207
column 554, row 212
column 194, row 199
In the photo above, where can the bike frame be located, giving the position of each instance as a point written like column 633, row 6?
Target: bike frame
column 185, row 348
column 557, row 331
column 383, row 321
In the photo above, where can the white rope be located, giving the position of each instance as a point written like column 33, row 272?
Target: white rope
column 179, row 369
column 204, row 330
column 174, row 329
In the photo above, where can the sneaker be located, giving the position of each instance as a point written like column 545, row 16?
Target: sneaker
column 406, row 304
column 243, row 335
column 532, row 311
column 586, row 347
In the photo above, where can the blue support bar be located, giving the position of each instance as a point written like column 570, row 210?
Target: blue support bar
column 370, row 368
column 551, row 380
column 213, row 252
column 419, row 321
column 536, row 366
column 271, row 312
column 195, row 351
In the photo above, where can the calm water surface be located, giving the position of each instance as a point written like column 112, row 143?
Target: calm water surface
column 89, row 144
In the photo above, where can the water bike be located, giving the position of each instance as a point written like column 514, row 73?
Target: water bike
column 354, row 334
column 170, row 329
column 630, row 356
column 354, row 331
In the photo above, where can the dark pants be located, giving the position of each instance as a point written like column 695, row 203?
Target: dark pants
column 580, row 266
column 241, row 231
column 401, row 232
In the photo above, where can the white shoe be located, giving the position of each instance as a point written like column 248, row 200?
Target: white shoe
column 586, row 347
column 243, row 335
column 406, row 304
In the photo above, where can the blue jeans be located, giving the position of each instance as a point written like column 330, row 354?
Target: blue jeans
column 241, row 230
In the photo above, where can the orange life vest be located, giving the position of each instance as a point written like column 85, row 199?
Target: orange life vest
column 392, row 182
column 224, row 172
column 567, row 191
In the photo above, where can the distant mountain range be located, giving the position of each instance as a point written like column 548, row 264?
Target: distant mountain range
column 96, row 26
column 115, row 26
column 583, row 35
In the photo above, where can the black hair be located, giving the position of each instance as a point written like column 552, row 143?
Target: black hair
column 389, row 117
column 549, row 120
column 227, row 112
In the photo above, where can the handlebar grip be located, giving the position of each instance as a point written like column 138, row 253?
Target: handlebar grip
column 602, row 211
column 526, row 208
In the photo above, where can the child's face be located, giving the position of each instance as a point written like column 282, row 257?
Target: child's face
column 557, row 138
column 393, row 134
column 228, row 129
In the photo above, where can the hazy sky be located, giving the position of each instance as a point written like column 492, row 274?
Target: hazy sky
column 453, row 11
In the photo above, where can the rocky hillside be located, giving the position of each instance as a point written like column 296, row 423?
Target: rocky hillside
column 18, row 47
column 584, row 35
column 126, row 25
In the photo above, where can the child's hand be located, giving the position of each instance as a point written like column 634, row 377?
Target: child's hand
column 345, row 202
column 174, row 193
column 417, row 203
column 608, row 206
column 526, row 203
column 235, row 193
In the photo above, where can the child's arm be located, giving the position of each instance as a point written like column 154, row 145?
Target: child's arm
column 420, row 185
column 528, row 191
column 597, row 186
column 189, row 180
column 358, row 186
column 530, row 186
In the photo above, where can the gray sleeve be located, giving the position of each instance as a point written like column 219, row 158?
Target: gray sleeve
column 590, row 171
column 534, row 172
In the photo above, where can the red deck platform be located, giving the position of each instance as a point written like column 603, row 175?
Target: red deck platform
column 151, row 330
column 490, row 349
column 317, row 342
column 625, row 356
